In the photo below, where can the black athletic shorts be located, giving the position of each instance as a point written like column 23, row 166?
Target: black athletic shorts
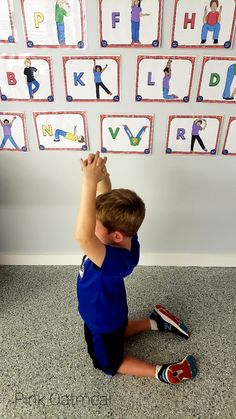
column 106, row 350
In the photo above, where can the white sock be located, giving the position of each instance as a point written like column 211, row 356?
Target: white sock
column 153, row 324
column 158, row 367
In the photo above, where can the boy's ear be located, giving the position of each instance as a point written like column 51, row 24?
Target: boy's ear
column 118, row 236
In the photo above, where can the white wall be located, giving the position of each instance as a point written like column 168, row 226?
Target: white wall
column 190, row 200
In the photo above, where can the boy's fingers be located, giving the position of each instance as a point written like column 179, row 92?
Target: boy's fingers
column 83, row 163
column 101, row 162
column 91, row 158
column 96, row 157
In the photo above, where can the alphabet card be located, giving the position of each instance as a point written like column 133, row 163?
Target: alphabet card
column 130, row 23
column 229, row 147
column 12, row 132
column 61, row 130
column 92, row 78
column 7, row 30
column 217, row 80
column 203, row 23
column 193, row 134
column 164, row 78
column 126, row 133
column 57, row 23
column 26, row 78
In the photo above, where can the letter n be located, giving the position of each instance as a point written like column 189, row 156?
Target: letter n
column 47, row 130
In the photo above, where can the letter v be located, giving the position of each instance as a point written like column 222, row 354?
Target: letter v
column 114, row 133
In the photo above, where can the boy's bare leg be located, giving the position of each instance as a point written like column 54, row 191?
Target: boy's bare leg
column 167, row 373
column 137, row 326
column 136, row 367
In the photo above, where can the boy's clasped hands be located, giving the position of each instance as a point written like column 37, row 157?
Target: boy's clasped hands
column 94, row 167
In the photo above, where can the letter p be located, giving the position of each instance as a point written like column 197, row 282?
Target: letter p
column 38, row 18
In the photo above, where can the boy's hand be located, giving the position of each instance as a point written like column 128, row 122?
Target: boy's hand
column 90, row 159
column 94, row 168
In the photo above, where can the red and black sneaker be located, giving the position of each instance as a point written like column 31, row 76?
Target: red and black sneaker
column 175, row 373
column 167, row 322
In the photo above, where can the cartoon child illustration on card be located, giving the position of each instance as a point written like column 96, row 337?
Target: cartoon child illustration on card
column 7, row 133
column 198, row 125
column 136, row 14
column 166, row 82
column 30, row 73
column 135, row 139
column 68, row 135
column 231, row 73
column 211, row 22
column 97, row 72
column 62, row 9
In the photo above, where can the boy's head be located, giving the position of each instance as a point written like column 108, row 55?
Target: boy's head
column 199, row 122
column 6, row 121
column 214, row 5
column 28, row 62
column 120, row 211
column 98, row 68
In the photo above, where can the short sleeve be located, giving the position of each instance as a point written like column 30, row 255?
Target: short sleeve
column 116, row 262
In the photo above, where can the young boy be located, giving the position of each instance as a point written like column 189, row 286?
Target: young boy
column 97, row 73
column 7, row 134
column 106, row 231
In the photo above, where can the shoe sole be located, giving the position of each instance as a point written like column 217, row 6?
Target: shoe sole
column 183, row 370
column 170, row 318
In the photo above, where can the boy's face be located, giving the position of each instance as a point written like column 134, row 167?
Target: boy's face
column 102, row 233
column 214, row 7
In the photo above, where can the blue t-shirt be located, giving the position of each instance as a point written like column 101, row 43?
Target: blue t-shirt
column 97, row 76
column 101, row 291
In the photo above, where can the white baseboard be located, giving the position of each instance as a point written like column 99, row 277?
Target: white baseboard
column 146, row 259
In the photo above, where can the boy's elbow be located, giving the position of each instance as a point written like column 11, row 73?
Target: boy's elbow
column 81, row 239
column 78, row 236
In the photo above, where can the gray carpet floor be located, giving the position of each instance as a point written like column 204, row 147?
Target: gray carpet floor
column 46, row 372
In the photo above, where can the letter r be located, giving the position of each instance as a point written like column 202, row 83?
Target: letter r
column 180, row 134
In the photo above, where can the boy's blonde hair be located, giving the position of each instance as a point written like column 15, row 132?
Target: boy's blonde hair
column 120, row 210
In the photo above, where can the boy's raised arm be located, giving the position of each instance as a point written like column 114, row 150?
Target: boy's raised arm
column 104, row 185
column 93, row 173
column 13, row 119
